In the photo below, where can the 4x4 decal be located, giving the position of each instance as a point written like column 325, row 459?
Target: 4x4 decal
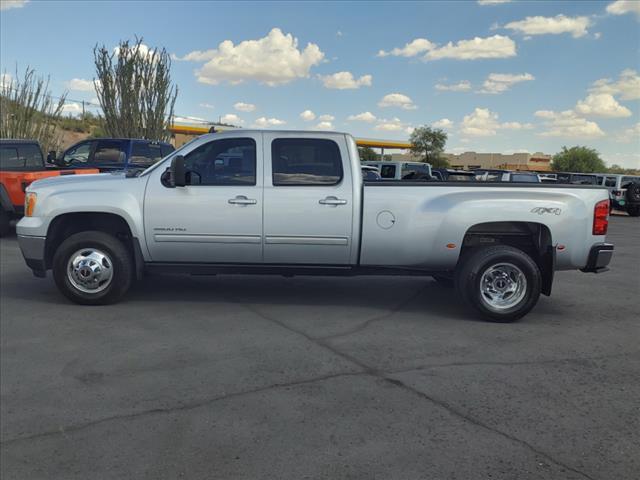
column 543, row 210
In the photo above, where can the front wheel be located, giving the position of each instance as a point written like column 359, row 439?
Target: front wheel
column 93, row 268
column 501, row 283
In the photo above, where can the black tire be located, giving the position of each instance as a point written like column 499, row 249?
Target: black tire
column 633, row 210
column 119, row 261
column 470, row 273
column 446, row 282
column 5, row 223
column 633, row 192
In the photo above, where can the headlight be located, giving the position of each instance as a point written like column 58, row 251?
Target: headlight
column 29, row 204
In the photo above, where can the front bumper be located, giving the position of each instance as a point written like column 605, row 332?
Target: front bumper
column 599, row 257
column 33, row 252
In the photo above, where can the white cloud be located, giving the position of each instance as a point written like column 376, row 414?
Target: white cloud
column 497, row 46
column 463, row 86
column 264, row 122
column 367, row 117
column 244, row 107
column 72, row 108
column 443, row 123
column 207, row 105
column 393, row 125
column 5, row 80
column 567, row 124
column 601, row 105
column 482, row 122
column 621, row 7
column 326, row 118
column 80, row 85
column 411, row 49
column 576, row 26
column 630, row 134
column 501, row 82
column 308, row 116
column 142, row 49
column 397, row 100
column 492, row 2
column 232, row 119
column 627, row 87
column 345, row 81
column 180, row 119
column 9, row 4
column 272, row 60
column 327, row 125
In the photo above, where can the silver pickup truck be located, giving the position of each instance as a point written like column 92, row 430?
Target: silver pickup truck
column 294, row 203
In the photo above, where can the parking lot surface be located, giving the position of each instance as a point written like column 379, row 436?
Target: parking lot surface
column 237, row 377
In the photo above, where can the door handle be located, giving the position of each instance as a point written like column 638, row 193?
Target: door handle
column 242, row 200
column 332, row 201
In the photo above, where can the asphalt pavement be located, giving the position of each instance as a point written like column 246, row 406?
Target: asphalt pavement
column 247, row 377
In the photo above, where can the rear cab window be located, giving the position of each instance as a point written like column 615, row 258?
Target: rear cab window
column 109, row 151
column 388, row 171
column 305, row 161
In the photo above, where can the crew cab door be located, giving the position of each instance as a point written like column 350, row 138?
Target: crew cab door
column 308, row 199
column 217, row 217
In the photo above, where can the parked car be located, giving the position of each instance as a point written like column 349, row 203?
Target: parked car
column 489, row 175
column 22, row 162
column 370, row 173
column 402, row 170
column 452, row 175
column 577, row 178
column 624, row 192
column 109, row 154
column 296, row 204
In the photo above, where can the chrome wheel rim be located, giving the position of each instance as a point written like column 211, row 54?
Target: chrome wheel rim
column 502, row 286
column 90, row 270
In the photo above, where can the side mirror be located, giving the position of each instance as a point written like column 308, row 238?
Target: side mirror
column 51, row 157
column 178, row 171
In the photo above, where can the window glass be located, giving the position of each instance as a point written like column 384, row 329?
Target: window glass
column 368, row 174
column 109, row 151
column 610, row 182
column 494, row 177
column 223, row 162
column 166, row 150
column 626, row 180
column 145, row 153
column 78, row 154
column 413, row 170
column 583, row 180
column 388, row 171
column 461, row 177
column 32, row 156
column 305, row 161
column 9, row 158
column 524, row 178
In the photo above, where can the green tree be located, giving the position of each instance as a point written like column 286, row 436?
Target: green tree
column 428, row 143
column 367, row 154
column 135, row 90
column 578, row 159
column 27, row 109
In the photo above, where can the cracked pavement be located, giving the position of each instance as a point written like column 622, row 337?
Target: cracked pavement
column 238, row 377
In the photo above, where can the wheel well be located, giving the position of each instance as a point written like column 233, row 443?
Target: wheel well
column 68, row 224
column 530, row 237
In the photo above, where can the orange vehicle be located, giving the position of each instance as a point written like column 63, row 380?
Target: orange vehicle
column 21, row 162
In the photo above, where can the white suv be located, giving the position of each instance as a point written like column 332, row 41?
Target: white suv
column 624, row 192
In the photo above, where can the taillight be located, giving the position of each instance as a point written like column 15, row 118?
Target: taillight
column 601, row 217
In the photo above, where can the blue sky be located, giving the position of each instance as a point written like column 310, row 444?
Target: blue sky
column 502, row 77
